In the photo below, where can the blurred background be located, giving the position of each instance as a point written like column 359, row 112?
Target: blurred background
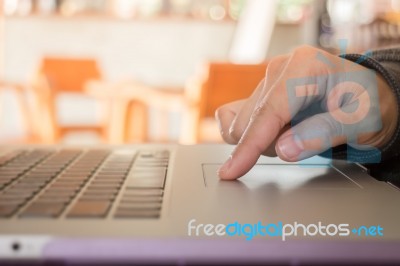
column 133, row 71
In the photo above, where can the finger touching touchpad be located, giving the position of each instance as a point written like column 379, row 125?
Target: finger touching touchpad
column 282, row 176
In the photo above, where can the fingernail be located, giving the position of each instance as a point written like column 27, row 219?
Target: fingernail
column 291, row 146
column 225, row 167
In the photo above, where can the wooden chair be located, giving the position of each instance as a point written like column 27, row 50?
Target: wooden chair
column 55, row 76
column 215, row 85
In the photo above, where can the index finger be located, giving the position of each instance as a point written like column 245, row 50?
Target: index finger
column 266, row 123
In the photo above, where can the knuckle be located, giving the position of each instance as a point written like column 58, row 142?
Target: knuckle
column 235, row 133
column 227, row 138
column 263, row 110
column 259, row 111
column 330, row 127
column 303, row 51
column 221, row 111
column 218, row 113
column 272, row 65
column 275, row 64
column 261, row 84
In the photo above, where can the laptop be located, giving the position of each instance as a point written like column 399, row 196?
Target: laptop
column 164, row 204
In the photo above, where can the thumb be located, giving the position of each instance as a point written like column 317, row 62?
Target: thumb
column 310, row 137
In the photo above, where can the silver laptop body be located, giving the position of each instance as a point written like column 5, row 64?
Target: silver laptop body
column 165, row 204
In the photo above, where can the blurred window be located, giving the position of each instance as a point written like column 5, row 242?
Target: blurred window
column 289, row 11
column 127, row 9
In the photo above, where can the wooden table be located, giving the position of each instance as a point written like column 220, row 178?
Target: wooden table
column 128, row 103
column 26, row 115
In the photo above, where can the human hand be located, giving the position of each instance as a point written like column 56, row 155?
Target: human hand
column 330, row 109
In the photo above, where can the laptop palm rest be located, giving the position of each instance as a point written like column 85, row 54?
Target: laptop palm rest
column 282, row 177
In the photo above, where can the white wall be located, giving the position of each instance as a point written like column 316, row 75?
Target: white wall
column 163, row 52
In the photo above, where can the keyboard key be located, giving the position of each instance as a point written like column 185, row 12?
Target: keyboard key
column 148, row 174
column 77, row 173
column 62, row 190
column 33, row 182
column 7, row 176
column 110, row 176
column 113, row 165
column 43, row 209
column 11, row 199
column 5, row 197
column 27, row 192
column 104, row 186
column 90, row 209
column 157, row 182
column 10, row 156
column 79, row 178
column 151, row 164
column 27, row 174
column 61, row 193
column 139, row 205
column 60, row 183
column 98, row 193
column 97, row 197
column 141, row 169
column 64, row 187
column 110, row 191
column 7, row 210
column 143, row 192
column 55, row 199
column 106, row 181
column 130, row 213
column 43, row 169
column 113, row 173
column 146, row 154
column 39, row 176
column 161, row 154
column 153, row 160
column 28, row 186
column 140, row 199
column 13, row 172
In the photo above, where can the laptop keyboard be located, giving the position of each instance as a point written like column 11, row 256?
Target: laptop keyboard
column 82, row 184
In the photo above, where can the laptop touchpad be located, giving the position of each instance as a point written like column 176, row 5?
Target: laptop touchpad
column 282, row 176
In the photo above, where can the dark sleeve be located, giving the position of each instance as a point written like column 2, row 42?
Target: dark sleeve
column 387, row 63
